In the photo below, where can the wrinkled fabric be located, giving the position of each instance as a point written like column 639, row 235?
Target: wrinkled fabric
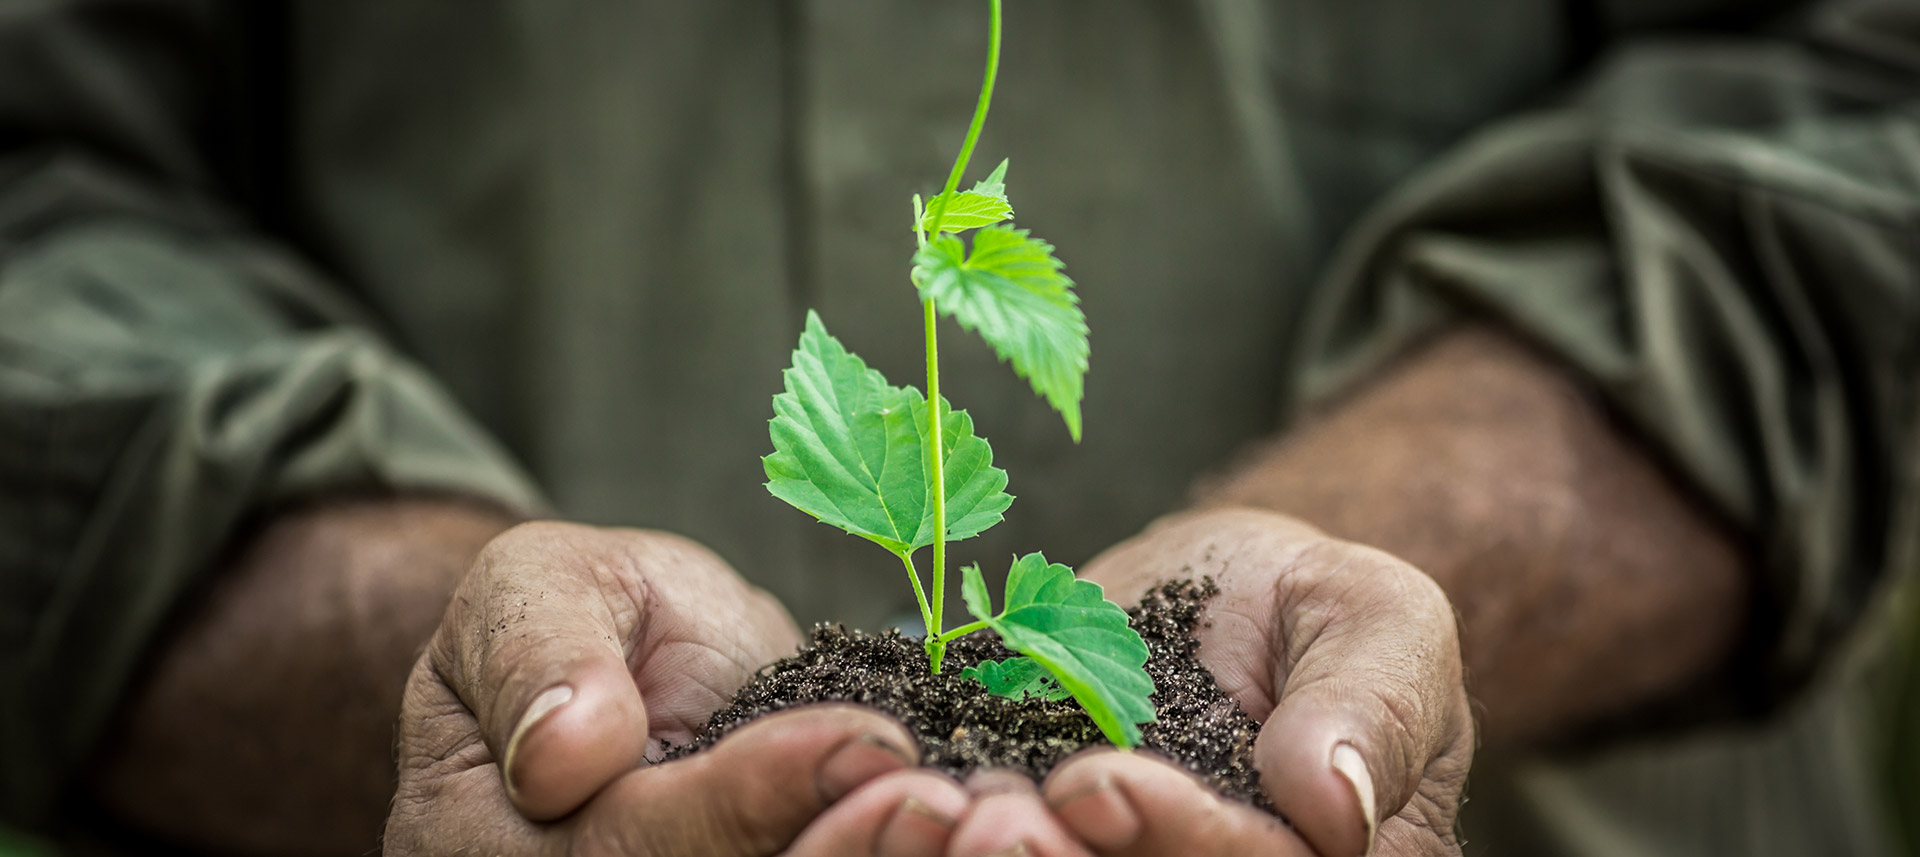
column 167, row 375
column 153, row 397
column 255, row 253
column 1724, row 240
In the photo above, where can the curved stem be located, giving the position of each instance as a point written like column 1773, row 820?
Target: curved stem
column 936, row 476
column 979, row 120
column 920, row 595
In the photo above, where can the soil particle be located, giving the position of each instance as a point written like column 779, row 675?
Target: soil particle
column 961, row 727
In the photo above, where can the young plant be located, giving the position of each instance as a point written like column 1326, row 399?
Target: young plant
column 906, row 471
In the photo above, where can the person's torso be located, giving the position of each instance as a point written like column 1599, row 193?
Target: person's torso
column 602, row 226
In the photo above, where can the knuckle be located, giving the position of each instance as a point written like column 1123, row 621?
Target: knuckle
column 434, row 727
column 533, row 533
column 674, row 548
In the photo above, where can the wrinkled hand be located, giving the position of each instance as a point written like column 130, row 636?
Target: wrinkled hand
column 569, row 652
column 1348, row 657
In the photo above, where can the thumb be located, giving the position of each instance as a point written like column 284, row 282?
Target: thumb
column 1372, row 697
column 535, row 644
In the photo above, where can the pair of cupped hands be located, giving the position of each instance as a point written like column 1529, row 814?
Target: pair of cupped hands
column 569, row 653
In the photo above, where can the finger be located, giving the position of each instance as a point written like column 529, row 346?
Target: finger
column 535, row 643
column 750, row 795
column 449, row 798
column 1372, row 702
column 1008, row 818
column 1132, row 805
column 705, row 631
column 902, row 814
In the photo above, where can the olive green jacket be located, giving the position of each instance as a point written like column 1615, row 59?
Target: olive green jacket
column 555, row 254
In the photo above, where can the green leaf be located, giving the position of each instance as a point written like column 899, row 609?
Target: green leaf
column 985, row 205
column 1016, row 678
column 995, row 184
column 976, row 490
column 1011, row 291
column 969, row 210
column 973, row 590
column 849, row 449
column 1069, row 627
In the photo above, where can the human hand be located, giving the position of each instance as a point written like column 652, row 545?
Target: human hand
column 569, row 652
column 1348, row 657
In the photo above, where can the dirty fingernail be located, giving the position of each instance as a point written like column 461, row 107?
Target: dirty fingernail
column 1348, row 763
column 858, row 761
column 1100, row 815
column 543, row 705
column 916, row 830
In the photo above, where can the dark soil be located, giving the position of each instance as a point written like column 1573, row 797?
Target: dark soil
column 961, row 727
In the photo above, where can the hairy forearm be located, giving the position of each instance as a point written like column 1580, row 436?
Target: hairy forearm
column 1587, row 581
column 265, row 723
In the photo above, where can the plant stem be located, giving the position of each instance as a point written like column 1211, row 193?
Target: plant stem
column 920, row 595
column 961, row 631
column 936, row 643
column 979, row 120
column 937, row 481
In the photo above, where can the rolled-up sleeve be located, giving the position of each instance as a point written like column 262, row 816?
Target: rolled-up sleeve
column 166, row 372
column 1723, row 238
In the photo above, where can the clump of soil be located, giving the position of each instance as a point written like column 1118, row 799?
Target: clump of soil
column 961, row 727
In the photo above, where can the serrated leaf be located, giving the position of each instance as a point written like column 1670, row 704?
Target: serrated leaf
column 1016, row 678
column 1010, row 290
column 1069, row 627
column 849, row 449
column 968, row 210
column 977, row 495
column 985, row 205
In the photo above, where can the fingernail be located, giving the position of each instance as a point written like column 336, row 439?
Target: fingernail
column 1100, row 815
column 916, row 829
column 1018, row 849
column 543, row 705
column 858, row 761
column 1347, row 763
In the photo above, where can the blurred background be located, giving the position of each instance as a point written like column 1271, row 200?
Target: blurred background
column 556, row 254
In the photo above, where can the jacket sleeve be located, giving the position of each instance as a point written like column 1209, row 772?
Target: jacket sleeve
column 1723, row 237
column 166, row 371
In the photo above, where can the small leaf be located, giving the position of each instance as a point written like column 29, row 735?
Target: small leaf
column 1011, row 291
column 1069, row 627
column 1016, row 678
column 995, row 184
column 849, row 449
column 968, row 210
column 973, row 589
column 985, row 205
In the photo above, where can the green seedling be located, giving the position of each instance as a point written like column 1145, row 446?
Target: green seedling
column 906, row 471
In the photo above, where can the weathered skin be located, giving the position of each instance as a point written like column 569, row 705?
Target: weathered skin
column 1585, row 584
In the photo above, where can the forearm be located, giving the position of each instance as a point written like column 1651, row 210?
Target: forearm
column 1587, row 581
column 265, row 724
